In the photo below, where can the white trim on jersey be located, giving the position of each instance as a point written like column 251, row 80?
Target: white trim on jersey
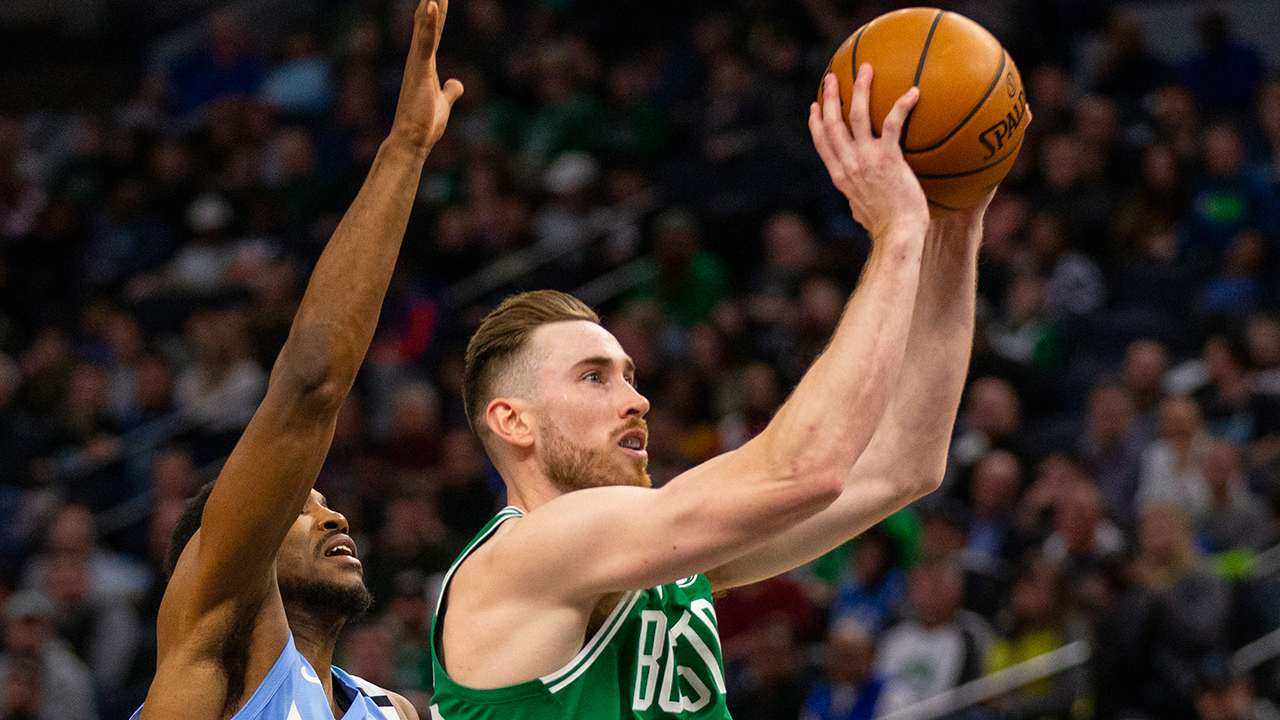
column 592, row 650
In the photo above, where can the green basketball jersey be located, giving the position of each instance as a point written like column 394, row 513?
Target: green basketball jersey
column 657, row 655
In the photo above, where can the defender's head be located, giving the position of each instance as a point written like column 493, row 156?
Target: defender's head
column 544, row 382
column 316, row 567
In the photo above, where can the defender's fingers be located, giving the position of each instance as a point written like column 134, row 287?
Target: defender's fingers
column 423, row 30
column 892, row 128
column 441, row 13
column 431, row 28
column 859, row 105
column 833, row 118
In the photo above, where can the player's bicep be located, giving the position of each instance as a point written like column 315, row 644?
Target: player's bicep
column 623, row 538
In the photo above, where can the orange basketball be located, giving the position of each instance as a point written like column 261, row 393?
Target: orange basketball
column 965, row 130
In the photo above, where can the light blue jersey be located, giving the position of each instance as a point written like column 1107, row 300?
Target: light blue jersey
column 292, row 691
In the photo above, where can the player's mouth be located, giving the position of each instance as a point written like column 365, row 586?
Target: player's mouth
column 633, row 442
column 341, row 548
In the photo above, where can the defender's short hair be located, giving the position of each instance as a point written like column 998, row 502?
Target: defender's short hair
column 188, row 524
column 502, row 336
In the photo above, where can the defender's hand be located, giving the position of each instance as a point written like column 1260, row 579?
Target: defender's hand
column 423, row 109
column 882, row 190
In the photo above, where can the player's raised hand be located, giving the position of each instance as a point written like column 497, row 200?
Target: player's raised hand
column 882, row 190
column 423, row 109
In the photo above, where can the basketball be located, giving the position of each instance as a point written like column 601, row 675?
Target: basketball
column 966, row 129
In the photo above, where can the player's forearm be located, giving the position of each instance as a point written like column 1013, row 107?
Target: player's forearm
column 339, row 312
column 910, row 445
column 826, row 423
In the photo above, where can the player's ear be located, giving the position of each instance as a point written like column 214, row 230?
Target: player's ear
column 511, row 421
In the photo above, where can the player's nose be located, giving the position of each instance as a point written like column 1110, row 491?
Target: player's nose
column 635, row 404
column 334, row 520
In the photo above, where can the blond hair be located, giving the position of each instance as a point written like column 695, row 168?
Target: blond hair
column 501, row 339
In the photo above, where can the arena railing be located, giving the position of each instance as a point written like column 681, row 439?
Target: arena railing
column 996, row 684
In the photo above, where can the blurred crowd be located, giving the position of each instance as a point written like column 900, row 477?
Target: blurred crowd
column 1115, row 470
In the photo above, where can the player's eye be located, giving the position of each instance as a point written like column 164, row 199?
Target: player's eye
column 593, row 376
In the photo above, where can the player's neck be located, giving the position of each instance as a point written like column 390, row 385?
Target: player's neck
column 528, row 487
column 315, row 637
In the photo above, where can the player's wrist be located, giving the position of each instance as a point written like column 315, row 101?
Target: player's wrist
column 404, row 145
column 903, row 231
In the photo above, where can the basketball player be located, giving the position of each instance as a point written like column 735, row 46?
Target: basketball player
column 590, row 596
column 265, row 574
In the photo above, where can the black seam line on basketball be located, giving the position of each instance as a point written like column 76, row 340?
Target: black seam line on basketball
column 853, row 64
column 975, row 171
column 924, row 52
column 999, row 74
column 938, row 204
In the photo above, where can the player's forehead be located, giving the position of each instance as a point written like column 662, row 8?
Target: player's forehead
column 562, row 345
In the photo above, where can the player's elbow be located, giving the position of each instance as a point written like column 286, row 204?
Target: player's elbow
column 309, row 370
column 918, row 485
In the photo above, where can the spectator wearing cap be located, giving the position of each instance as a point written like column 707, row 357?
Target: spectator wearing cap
column 566, row 226
column 50, row 682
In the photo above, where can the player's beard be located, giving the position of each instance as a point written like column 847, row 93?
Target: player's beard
column 326, row 599
column 572, row 467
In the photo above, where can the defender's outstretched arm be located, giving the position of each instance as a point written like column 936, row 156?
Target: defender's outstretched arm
column 269, row 474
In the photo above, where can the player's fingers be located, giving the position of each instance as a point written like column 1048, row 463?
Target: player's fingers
column 892, row 128
column 819, row 132
column 821, row 142
column 859, row 105
column 833, row 118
